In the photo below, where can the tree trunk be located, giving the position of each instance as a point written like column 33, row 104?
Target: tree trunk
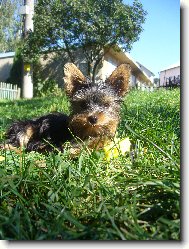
column 27, row 83
column 95, row 67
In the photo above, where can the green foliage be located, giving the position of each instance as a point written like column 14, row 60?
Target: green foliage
column 92, row 26
column 56, row 197
column 43, row 87
column 10, row 24
column 46, row 88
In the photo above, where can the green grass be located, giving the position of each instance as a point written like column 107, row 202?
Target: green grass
column 56, row 197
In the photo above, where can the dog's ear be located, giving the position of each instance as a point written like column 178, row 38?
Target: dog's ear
column 119, row 79
column 73, row 79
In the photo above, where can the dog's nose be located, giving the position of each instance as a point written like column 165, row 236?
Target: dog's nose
column 92, row 119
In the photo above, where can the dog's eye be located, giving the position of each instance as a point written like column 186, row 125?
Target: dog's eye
column 107, row 105
column 83, row 104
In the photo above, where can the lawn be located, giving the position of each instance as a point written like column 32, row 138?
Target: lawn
column 132, row 197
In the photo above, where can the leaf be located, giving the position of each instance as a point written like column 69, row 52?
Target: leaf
column 73, row 220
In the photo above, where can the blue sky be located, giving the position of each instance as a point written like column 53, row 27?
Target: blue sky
column 159, row 43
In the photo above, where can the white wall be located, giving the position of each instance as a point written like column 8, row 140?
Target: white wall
column 169, row 73
column 109, row 64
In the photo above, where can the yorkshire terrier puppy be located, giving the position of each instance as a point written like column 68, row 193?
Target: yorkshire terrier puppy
column 94, row 117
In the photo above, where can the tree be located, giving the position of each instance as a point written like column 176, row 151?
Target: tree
column 156, row 81
column 10, row 25
column 94, row 26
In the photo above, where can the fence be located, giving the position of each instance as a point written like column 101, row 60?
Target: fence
column 171, row 82
column 9, row 91
column 146, row 88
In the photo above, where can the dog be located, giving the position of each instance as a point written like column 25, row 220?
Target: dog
column 94, row 116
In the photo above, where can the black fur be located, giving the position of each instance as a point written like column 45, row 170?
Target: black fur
column 49, row 130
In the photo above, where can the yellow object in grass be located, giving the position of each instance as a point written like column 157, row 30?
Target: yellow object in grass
column 117, row 147
column 2, row 158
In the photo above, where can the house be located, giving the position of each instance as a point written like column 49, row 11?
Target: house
column 6, row 62
column 147, row 71
column 170, row 76
column 141, row 77
column 52, row 67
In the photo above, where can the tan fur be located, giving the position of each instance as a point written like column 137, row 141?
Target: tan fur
column 120, row 76
column 82, row 128
column 73, row 78
column 10, row 147
column 25, row 137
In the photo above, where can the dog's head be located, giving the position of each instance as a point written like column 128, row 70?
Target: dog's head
column 95, row 106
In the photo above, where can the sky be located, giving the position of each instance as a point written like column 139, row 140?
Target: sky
column 159, row 43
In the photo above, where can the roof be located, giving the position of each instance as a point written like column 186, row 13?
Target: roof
column 126, row 58
column 145, row 68
column 177, row 64
column 7, row 54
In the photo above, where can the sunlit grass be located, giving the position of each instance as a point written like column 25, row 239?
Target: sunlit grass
column 133, row 197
